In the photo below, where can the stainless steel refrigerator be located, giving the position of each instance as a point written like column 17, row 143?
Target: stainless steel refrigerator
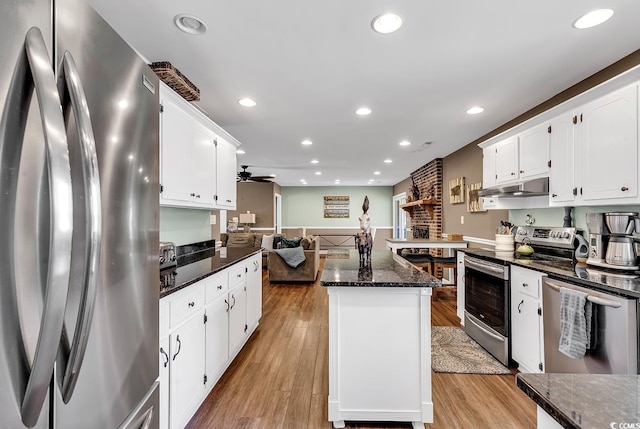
column 78, row 222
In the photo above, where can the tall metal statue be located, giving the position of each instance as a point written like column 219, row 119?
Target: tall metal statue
column 364, row 241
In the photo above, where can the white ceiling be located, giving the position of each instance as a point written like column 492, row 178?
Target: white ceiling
column 310, row 63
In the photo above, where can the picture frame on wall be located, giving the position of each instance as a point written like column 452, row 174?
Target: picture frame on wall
column 336, row 207
column 456, row 190
column 474, row 201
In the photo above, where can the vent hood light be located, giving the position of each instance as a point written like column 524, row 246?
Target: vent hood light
column 190, row 24
column 533, row 188
column 593, row 18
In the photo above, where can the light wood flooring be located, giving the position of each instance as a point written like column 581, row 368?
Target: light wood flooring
column 280, row 379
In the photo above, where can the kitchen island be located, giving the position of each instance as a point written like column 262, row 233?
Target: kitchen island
column 379, row 339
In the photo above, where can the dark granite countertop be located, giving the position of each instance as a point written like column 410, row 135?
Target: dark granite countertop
column 387, row 270
column 585, row 401
column 621, row 283
column 197, row 266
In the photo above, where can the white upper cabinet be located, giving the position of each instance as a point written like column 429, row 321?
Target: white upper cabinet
column 562, row 172
column 534, row 152
column 197, row 157
column 609, row 137
column 520, row 157
column 507, row 160
column 226, row 174
column 488, row 167
column 595, row 152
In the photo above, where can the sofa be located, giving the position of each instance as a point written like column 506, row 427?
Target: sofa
column 247, row 239
column 280, row 272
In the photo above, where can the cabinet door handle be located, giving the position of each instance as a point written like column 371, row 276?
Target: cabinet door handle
column 234, row 302
column 227, row 302
column 521, row 171
column 166, row 357
column 193, row 195
column 521, row 302
column 554, row 195
column 198, row 196
column 179, row 347
column 192, row 304
column 624, row 189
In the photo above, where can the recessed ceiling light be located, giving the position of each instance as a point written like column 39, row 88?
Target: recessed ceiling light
column 404, row 143
column 240, row 152
column 314, row 161
column 190, row 24
column 318, row 173
column 388, row 161
column 302, row 180
column 363, row 111
column 475, row 110
column 307, row 142
column 247, row 102
column 377, row 173
column 593, row 18
column 386, row 23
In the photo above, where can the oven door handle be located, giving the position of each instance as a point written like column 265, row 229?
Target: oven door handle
column 483, row 329
column 483, row 266
column 592, row 298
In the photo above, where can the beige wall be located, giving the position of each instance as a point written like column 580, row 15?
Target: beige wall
column 467, row 163
column 257, row 198
column 403, row 186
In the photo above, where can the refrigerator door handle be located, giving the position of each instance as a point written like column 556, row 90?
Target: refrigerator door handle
column 60, row 200
column 71, row 84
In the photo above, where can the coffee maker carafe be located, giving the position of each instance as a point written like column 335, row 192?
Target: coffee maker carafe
column 613, row 246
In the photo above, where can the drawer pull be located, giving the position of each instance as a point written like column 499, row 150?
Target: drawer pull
column 525, row 284
column 219, row 287
column 624, row 189
column 192, row 304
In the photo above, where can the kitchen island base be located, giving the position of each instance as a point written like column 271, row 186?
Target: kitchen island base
column 380, row 355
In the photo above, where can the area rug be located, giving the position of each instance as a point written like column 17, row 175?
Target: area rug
column 453, row 351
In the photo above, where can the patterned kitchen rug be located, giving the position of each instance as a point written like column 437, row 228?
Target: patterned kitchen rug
column 453, row 351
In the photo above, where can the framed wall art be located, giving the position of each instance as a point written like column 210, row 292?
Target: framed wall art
column 456, row 190
column 336, row 206
column 474, row 202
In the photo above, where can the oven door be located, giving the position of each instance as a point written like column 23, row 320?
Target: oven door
column 487, row 299
column 486, row 315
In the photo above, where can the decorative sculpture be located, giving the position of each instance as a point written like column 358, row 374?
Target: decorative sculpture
column 364, row 242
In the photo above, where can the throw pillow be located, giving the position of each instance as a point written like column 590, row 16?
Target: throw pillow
column 267, row 242
column 287, row 243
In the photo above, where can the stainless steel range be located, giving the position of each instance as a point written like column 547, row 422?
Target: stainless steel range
column 487, row 295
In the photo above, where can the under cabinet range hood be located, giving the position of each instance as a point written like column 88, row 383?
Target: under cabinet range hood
column 532, row 188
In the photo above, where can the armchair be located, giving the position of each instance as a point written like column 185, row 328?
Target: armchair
column 280, row 272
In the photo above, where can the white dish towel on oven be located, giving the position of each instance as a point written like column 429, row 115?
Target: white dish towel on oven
column 575, row 323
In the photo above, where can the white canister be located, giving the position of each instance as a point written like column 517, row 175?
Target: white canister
column 505, row 243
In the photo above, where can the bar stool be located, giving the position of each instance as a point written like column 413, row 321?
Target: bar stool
column 444, row 263
column 422, row 260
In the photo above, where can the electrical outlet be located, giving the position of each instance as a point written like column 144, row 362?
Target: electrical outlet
column 461, row 220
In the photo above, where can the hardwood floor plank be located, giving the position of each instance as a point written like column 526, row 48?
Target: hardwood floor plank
column 280, row 378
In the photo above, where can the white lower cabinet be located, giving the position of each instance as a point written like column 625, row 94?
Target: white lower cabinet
column 217, row 338
column 202, row 329
column 186, row 376
column 526, row 319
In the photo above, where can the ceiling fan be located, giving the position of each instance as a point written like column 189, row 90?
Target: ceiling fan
column 245, row 176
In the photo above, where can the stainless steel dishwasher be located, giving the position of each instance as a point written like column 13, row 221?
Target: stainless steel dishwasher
column 614, row 332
